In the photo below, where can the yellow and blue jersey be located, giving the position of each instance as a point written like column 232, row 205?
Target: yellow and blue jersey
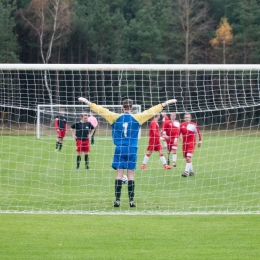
column 125, row 129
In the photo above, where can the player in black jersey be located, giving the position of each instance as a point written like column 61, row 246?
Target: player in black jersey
column 82, row 132
column 61, row 128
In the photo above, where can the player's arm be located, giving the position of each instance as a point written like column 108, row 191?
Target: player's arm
column 105, row 113
column 92, row 131
column 73, row 131
column 165, row 131
column 56, row 124
column 147, row 114
column 199, row 136
column 180, row 134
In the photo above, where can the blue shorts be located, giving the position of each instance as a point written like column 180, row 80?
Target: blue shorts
column 125, row 158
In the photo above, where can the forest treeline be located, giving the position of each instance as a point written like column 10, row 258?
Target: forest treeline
column 129, row 31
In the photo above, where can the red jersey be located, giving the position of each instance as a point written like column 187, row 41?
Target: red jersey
column 154, row 134
column 165, row 119
column 189, row 133
column 172, row 129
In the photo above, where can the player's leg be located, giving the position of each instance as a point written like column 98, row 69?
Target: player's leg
column 60, row 143
column 79, row 151
column 61, row 135
column 131, row 166
column 146, row 157
column 174, row 152
column 162, row 159
column 86, row 161
column 58, row 140
column 119, row 164
column 174, row 157
column 159, row 149
column 131, row 187
column 57, row 144
column 118, row 186
column 168, row 153
column 86, row 150
column 188, row 166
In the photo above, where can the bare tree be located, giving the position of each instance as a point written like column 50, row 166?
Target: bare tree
column 50, row 20
column 192, row 15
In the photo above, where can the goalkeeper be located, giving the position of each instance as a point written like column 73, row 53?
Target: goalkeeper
column 125, row 129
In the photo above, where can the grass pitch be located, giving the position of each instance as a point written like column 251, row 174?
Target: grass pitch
column 129, row 237
column 36, row 179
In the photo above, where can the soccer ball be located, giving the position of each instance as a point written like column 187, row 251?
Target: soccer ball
column 124, row 179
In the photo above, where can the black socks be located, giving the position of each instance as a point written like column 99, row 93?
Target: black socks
column 118, row 187
column 131, row 190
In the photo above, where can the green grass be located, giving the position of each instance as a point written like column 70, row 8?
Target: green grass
column 36, row 178
column 129, row 237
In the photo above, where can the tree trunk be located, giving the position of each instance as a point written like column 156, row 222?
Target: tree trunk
column 224, row 52
column 57, row 88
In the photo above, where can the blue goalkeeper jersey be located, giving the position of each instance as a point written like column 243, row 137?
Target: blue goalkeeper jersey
column 125, row 130
column 125, row 127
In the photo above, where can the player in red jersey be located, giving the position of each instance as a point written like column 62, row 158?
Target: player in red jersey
column 61, row 128
column 154, row 144
column 189, row 130
column 171, row 132
column 164, row 120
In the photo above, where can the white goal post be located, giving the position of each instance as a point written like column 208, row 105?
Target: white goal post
column 222, row 99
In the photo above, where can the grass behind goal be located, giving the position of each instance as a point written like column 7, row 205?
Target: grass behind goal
column 35, row 178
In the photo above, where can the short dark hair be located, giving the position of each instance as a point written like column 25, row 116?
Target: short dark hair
column 62, row 109
column 127, row 103
column 84, row 114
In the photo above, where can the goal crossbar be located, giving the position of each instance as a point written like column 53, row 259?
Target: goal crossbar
column 131, row 67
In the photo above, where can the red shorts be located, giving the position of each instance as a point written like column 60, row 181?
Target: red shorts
column 154, row 147
column 61, row 133
column 172, row 144
column 188, row 150
column 82, row 146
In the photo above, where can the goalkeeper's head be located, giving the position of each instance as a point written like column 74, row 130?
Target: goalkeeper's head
column 127, row 105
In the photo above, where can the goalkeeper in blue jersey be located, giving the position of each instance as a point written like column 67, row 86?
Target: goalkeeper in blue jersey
column 125, row 129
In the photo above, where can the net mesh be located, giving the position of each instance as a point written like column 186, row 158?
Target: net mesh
column 224, row 103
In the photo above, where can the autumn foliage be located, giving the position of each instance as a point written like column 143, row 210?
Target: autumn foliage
column 224, row 36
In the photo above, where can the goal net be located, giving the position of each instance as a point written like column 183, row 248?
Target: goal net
column 224, row 101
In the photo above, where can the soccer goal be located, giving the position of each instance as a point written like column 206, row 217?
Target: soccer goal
column 223, row 100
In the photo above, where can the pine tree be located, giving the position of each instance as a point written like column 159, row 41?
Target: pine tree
column 8, row 39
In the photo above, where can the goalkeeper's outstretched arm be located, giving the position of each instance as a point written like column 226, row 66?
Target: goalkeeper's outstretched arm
column 141, row 117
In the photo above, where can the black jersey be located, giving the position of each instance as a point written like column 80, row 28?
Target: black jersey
column 61, row 122
column 82, row 130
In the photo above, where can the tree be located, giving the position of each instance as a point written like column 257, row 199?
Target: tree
column 193, row 24
column 145, row 45
column 246, row 27
column 8, row 39
column 50, row 20
column 224, row 36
